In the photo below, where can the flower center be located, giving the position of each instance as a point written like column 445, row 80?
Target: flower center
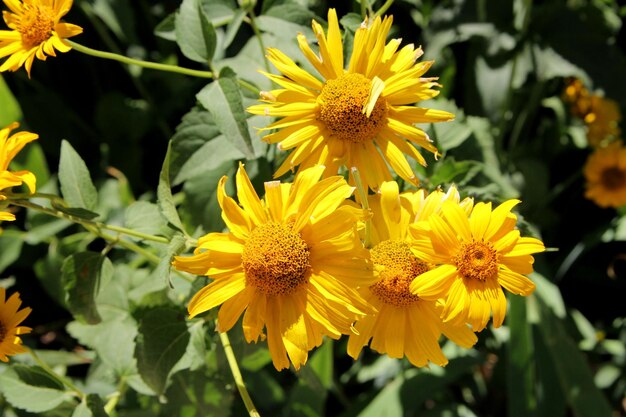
column 341, row 109
column 275, row 259
column 400, row 267
column 477, row 260
column 613, row 178
column 36, row 24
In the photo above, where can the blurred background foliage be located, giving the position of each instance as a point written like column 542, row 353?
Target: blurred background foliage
column 503, row 66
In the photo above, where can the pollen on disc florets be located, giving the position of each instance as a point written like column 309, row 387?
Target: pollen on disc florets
column 477, row 260
column 341, row 108
column 275, row 259
column 401, row 266
column 36, row 24
column 613, row 178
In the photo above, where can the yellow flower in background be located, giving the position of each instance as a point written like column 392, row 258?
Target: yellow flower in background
column 578, row 97
column 605, row 172
column 476, row 255
column 10, row 330
column 36, row 31
column 362, row 116
column 291, row 262
column 405, row 324
column 9, row 147
column 602, row 121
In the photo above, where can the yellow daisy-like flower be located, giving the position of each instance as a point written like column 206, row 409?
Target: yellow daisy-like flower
column 36, row 31
column 291, row 261
column 578, row 97
column 602, row 120
column 477, row 256
column 10, row 330
column 361, row 116
column 405, row 324
column 9, row 147
column 605, row 172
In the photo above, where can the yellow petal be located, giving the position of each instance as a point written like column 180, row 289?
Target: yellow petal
column 216, row 293
column 248, row 197
column 435, row 283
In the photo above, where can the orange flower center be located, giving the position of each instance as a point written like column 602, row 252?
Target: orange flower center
column 613, row 178
column 400, row 268
column 3, row 332
column 36, row 24
column 275, row 259
column 341, row 109
column 477, row 260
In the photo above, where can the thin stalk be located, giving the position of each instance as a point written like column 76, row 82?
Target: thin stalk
column 138, row 62
column 109, row 407
column 363, row 9
column 383, row 9
column 85, row 222
column 234, row 368
column 257, row 34
column 364, row 203
column 56, row 376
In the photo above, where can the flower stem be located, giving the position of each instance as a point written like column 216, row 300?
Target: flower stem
column 234, row 368
column 138, row 62
column 364, row 203
column 66, row 382
column 257, row 34
column 85, row 222
column 383, row 9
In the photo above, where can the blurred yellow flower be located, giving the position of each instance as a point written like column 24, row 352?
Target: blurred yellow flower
column 36, row 31
column 291, row 261
column 405, row 324
column 602, row 121
column 476, row 255
column 578, row 97
column 10, row 330
column 360, row 117
column 605, row 172
column 9, row 147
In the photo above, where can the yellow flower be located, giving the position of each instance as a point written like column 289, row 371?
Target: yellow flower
column 578, row 97
column 605, row 172
column 405, row 324
column 9, row 147
column 602, row 121
column 10, row 331
column 477, row 256
column 291, row 261
column 36, row 31
column 361, row 117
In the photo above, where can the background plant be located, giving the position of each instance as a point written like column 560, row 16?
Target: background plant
column 107, row 307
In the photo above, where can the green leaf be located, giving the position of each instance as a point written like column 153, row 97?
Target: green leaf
column 33, row 159
column 30, row 388
column 520, row 373
column 164, row 193
column 166, row 29
column 450, row 134
column 161, row 342
column 575, row 377
column 195, row 33
column 91, row 406
column 76, row 185
column 11, row 111
column 75, row 211
column 11, row 243
column 145, row 217
column 81, row 274
column 233, row 28
column 223, row 100
column 198, row 394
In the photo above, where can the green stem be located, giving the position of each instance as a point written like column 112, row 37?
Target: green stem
column 257, row 33
column 365, row 204
column 56, row 376
column 85, row 222
column 363, row 9
column 383, row 8
column 109, row 407
column 234, row 368
column 138, row 62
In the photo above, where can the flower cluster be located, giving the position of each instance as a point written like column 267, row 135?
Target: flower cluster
column 294, row 263
column 605, row 169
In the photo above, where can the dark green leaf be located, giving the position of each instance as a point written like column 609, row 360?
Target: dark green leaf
column 81, row 274
column 195, row 34
column 91, row 406
column 196, row 394
column 11, row 243
column 166, row 29
column 164, row 193
column 11, row 111
column 223, row 100
column 30, row 388
column 81, row 213
column 76, row 185
column 161, row 342
column 520, row 372
column 233, row 28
